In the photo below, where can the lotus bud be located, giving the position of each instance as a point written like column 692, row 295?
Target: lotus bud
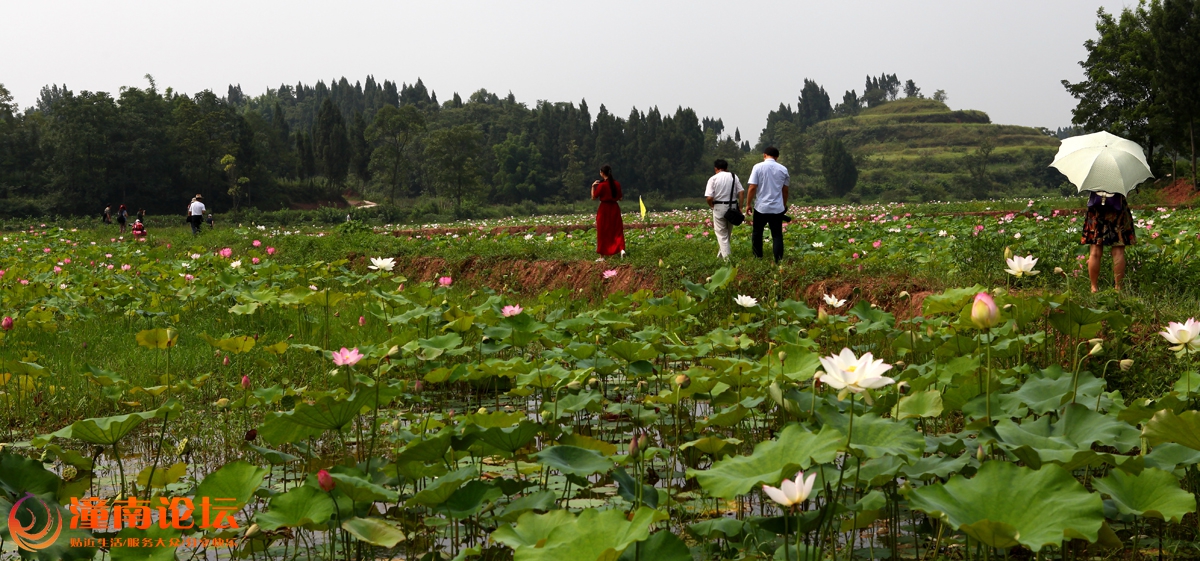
column 482, row 411
column 1096, row 341
column 223, row 402
column 660, row 262
column 6, row 323
column 574, row 385
column 593, row 382
column 903, row 294
column 902, row 387
column 362, row 320
column 822, row 317
column 984, row 313
column 643, row 443
column 325, row 481
column 1097, row 349
column 979, row 455
column 450, row 414
column 252, row 531
column 683, row 381
column 245, row 382
column 1126, row 364
column 782, row 356
column 1007, row 252
column 1059, row 271
column 251, row 435
column 642, row 385
column 337, row 314
column 225, row 361
column 633, row 446
column 396, row 424
column 418, row 386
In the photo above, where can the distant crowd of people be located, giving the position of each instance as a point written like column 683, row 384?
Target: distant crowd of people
column 196, row 217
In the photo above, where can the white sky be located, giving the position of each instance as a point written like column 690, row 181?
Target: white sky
column 733, row 60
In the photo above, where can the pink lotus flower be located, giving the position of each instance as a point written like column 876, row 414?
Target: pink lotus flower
column 46, row 250
column 57, row 269
column 255, row 243
column 362, row 321
column 245, row 382
column 270, row 251
column 984, row 313
column 347, row 357
column 226, row 361
column 325, row 481
column 610, row 273
column 876, row 244
column 254, row 260
column 445, row 281
column 126, row 267
column 510, row 311
column 7, row 323
column 227, row 252
column 110, row 267
column 26, row 281
column 67, row 261
column 188, row 278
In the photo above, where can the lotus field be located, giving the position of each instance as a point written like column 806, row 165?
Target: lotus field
column 909, row 384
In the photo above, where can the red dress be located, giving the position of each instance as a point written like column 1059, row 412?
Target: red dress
column 610, row 231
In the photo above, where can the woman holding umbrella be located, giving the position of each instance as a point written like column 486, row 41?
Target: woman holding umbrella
column 1108, row 167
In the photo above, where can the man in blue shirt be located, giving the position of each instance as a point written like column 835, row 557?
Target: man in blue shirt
column 767, row 196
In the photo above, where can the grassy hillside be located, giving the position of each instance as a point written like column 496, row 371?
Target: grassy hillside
column 921, row 149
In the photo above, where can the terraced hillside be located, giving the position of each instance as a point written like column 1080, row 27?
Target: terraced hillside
column 920, row 148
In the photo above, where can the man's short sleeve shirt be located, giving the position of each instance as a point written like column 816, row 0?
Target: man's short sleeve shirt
column 771, row 177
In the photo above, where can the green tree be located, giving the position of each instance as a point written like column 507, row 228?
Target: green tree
column 837, row 165
column 330, row 143
column 976, row 163
column 520, row 170
column 940, row 96
column 360, row 151
column 394, row 133
column 451, row 158
column 850, row 105
column 911, row 89
column 1118, row 92
column 1175, row 27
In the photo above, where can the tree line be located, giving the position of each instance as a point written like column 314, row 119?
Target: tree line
column 1141, row 79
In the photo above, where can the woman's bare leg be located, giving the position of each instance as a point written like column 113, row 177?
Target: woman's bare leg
column 1118, row 256
column 1094, row 267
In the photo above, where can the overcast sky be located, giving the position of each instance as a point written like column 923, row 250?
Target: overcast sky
column 732, row 60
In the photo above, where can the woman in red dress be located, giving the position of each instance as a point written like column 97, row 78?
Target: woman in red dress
column 610, row 232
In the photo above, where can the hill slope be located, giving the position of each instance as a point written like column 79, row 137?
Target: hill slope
column 921, row 149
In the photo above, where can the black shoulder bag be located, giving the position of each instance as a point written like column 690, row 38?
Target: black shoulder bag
column 734, row 215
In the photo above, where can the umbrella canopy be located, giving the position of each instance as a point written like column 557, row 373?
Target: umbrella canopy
column 1102, row 162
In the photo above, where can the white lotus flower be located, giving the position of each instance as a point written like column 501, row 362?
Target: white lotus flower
column 792, row 492
column 834, row 301
column 382, row 264
column 1186, row 334
column 235, row 264
column 850, row 374
column 745, row 301
column 1022, row 266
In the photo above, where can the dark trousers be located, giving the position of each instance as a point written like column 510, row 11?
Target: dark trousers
column 775, row 221
column 196, row 222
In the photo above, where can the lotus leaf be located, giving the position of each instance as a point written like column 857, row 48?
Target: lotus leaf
column 574, row 460
column 1005, row 503
column 1153, row 493
column 374, row 531
column 771, row 462
column 302, row 506
column 235, row 480
column 1166, row 426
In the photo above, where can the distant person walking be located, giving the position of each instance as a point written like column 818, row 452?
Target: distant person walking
column 196, row 214
column 768, row 193
column 141, row 214
column 1109, row 223
column 107, row 214
column 210, row 221
column 122, row 217
column 723, row 192
column 610, row 231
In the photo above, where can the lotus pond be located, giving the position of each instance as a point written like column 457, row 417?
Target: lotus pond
column 353, row 393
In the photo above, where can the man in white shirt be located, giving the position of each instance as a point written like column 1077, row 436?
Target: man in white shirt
column 768, row 193
column 196, row 214
column 722, row 187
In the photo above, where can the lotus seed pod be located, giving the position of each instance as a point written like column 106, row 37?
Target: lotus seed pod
column 482, row 411
column 574, row 385
column 782, row 356
column 1097, row 349
column 683, row 381
column 593, row 382
column 223, row 402
column 253, row 530
column 1126, row 364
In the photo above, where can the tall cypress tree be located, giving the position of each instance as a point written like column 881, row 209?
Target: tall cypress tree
column 330, row 144
column 360, row 151
column 837, row 165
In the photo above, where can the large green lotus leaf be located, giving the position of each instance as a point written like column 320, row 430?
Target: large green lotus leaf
column 1153, row 493
column 235, row 480
column 153, row 533
column 20, row 475
column 1045, row 507
column 1166, row 426
column 593, row 535
column 531, row 529
column 470, row 498
column 374, row 531
column 935, row 466
column 771, row 462
column 359, row 490
column 104, row 431
column 800, row 363
column 509, row 440
column 876, row 436
column 1076, row 321
column 1168, row 456
column 430, row 449
column 1085, row 427
column 540, row 500
column 574, row 460
column 160, row 338
column 720, row 279
column 950, row 301
column 631, row 351
column 660, row 546
column 278, row 428
column 871, row 318
column 444, row 487
column 330, row 412
column 301, row 506
column 1043, row 394
column 921, row 404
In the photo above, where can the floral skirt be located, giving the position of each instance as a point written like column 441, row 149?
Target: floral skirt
column 1105, row 226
